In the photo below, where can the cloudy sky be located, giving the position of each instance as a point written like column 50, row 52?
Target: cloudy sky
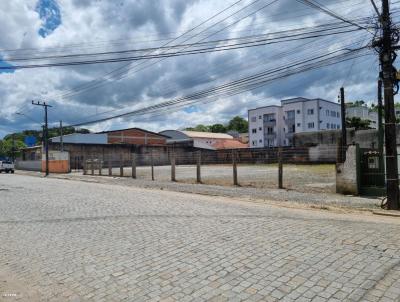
column 82, row 93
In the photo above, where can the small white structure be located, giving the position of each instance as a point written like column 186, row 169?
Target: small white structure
column 364, row 113
column 274, row 126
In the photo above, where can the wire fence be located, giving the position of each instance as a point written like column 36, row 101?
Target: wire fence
column 301, row 169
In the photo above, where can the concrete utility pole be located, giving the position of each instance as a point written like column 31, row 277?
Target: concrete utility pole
column 387, row 57
column 380, row 118
column 45, row 132
column 344, row 132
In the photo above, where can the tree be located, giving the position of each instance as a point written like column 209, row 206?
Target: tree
column 238, row 124
column 7, row 148
column 199, row 128
column 218, row 128
column 358, row 123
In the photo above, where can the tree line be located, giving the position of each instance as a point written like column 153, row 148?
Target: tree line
column 11, row 143
column 237, row 123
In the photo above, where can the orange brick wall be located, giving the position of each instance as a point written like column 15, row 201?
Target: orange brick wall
column 56, row 166
column 135, row 137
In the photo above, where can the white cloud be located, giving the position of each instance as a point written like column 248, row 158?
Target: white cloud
column 87, row 25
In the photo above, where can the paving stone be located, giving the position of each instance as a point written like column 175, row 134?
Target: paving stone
column 80, row 241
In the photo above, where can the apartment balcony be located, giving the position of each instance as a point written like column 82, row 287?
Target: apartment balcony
column 271, row 123
column 289, row 134
column 290, row 121
column 270, row 136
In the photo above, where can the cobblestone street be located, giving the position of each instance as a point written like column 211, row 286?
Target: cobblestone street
column 66, row 240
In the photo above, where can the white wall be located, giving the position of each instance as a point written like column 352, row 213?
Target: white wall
column 321, row 114
column 256, row 123
column 334, row 120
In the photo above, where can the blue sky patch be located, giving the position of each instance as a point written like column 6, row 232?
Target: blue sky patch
column 190, row 109
column 50, row 14
column 5, row 64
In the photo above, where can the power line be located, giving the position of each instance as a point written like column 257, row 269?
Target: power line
column 249, row 82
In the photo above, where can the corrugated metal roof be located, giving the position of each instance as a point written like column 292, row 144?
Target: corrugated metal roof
column 195, row 134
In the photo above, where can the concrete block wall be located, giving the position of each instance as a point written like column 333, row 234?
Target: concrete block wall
column 346, row 173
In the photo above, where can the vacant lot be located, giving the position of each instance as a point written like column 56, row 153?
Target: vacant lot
column 302, row 178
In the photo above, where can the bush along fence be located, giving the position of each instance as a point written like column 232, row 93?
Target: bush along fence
column 228, row 167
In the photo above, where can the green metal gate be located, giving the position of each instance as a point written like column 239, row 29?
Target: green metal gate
column 372, row 172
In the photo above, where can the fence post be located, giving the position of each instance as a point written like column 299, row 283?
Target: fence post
column 134, row 165
column 198, row 170
column 92, row 165
column 121, row 166
column 173, row 162
column 234, row 162
column 109, row 163
column 101, row 167
column 84, row 166
column 280, row 168
column 152, row 165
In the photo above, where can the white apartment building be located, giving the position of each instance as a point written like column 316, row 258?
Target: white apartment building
column 364, row 113
column 274, row 126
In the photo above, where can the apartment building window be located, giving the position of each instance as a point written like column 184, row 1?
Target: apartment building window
column 260, row 117
column 259, row 128
column 254, row 143
column 328, row 126
column 270, row 130
column 327, row 112
column 260, row 141
column 254, row 119
column 254, row 130
column 298, row 111
column 311, row 125
column 310, row 111
column 337, row 114
column 298, row 125
column 333, row 113
column 290, row 114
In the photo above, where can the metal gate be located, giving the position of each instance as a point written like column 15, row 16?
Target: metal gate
column 372, row 172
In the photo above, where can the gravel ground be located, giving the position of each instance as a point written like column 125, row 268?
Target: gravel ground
column 65, row 240
column 301, row 178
